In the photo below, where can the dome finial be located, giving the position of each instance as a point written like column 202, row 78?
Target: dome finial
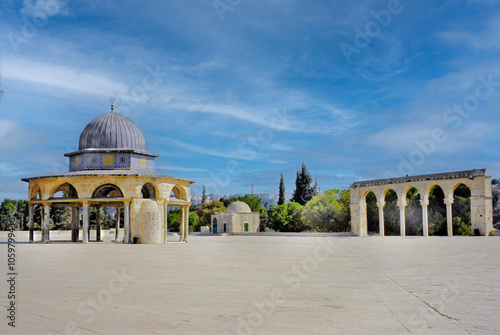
column 112, row 104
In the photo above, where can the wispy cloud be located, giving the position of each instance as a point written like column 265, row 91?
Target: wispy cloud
column 485, row 39
column 44, row 7
column 86, row 81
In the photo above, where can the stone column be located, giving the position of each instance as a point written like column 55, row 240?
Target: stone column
column 181, row 226
column 166, row 223
column 32, row 223
column 117, row 230
column 46, row 223
column 42, row 215
column 449, row 215
column 425, row 217
column 98, row 228
column 186, row 223
column 85, row 229
column 126, row 227
column 74, row 224
column 363, row 222
column 402, row 217
column 381, row 218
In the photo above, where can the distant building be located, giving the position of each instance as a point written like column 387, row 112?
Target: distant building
column 238, row 218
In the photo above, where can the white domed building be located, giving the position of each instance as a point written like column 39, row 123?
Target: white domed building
column 238, row 218
column 112, row 169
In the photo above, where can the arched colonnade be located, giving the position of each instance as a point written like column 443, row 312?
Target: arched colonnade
column 478, row 181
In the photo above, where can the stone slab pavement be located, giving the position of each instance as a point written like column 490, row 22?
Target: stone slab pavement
column 257, row 285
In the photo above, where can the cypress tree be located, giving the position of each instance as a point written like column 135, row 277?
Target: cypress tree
column 281, row 199
column 204, row 196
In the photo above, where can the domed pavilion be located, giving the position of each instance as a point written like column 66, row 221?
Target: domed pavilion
column 238, row 218
column 112, row 169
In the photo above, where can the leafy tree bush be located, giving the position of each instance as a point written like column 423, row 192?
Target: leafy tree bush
column 206, row 210
column 328, row 211
column 286, row 218
column 460, row 227
column 303, row 189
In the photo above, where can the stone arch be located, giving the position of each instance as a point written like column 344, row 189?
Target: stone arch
column 65, row 190
column 368, row 191
column 149, row 191
column 436, row 198
column 392, row 224
column 179, row 192
column 372, row 214
column 107, row 190
column 461, row 210
column 413, row 225
column 35, row 192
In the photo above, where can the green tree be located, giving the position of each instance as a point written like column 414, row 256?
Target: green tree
column 264, row 218
column 281, row 199
column 174, row 221
column 286, row 218
column 461, row 228
column 253, row 201
column 60, row 218
column 8, row 210
column 206, row 210
column 303, row 189
column 328, row 211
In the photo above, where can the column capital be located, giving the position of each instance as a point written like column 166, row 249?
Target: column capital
column 424, row 203
column 85, row 202
column 402, row 205
column 449, row 201
column 46, row 203
column 380, row 205
column 127, row 202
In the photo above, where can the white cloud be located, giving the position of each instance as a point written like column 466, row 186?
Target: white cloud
column 178, row 168
column 70, row 78
column 40, row 8
column 7, row 127
column 487, row 39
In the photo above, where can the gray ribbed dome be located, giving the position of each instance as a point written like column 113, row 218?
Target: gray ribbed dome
column 238, row 207
column 112, row 131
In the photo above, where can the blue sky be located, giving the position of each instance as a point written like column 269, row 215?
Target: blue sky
column 233, row 92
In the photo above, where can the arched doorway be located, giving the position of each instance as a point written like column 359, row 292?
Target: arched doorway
column 391, row 214
column 437, row 212
column 461, row 211
column 372, row 216
column 413, row 213
column 214, row 226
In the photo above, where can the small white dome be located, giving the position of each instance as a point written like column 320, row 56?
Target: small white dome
column 238, row 207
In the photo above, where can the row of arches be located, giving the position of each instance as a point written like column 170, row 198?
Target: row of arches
column 68, row 191
column 434, row 202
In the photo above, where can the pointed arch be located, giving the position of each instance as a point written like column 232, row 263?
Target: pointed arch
column 65, row 190
column 107, row 191
column 179, row 193
column 149, row 191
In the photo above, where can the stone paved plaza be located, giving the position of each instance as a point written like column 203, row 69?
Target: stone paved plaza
column 259, row 285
